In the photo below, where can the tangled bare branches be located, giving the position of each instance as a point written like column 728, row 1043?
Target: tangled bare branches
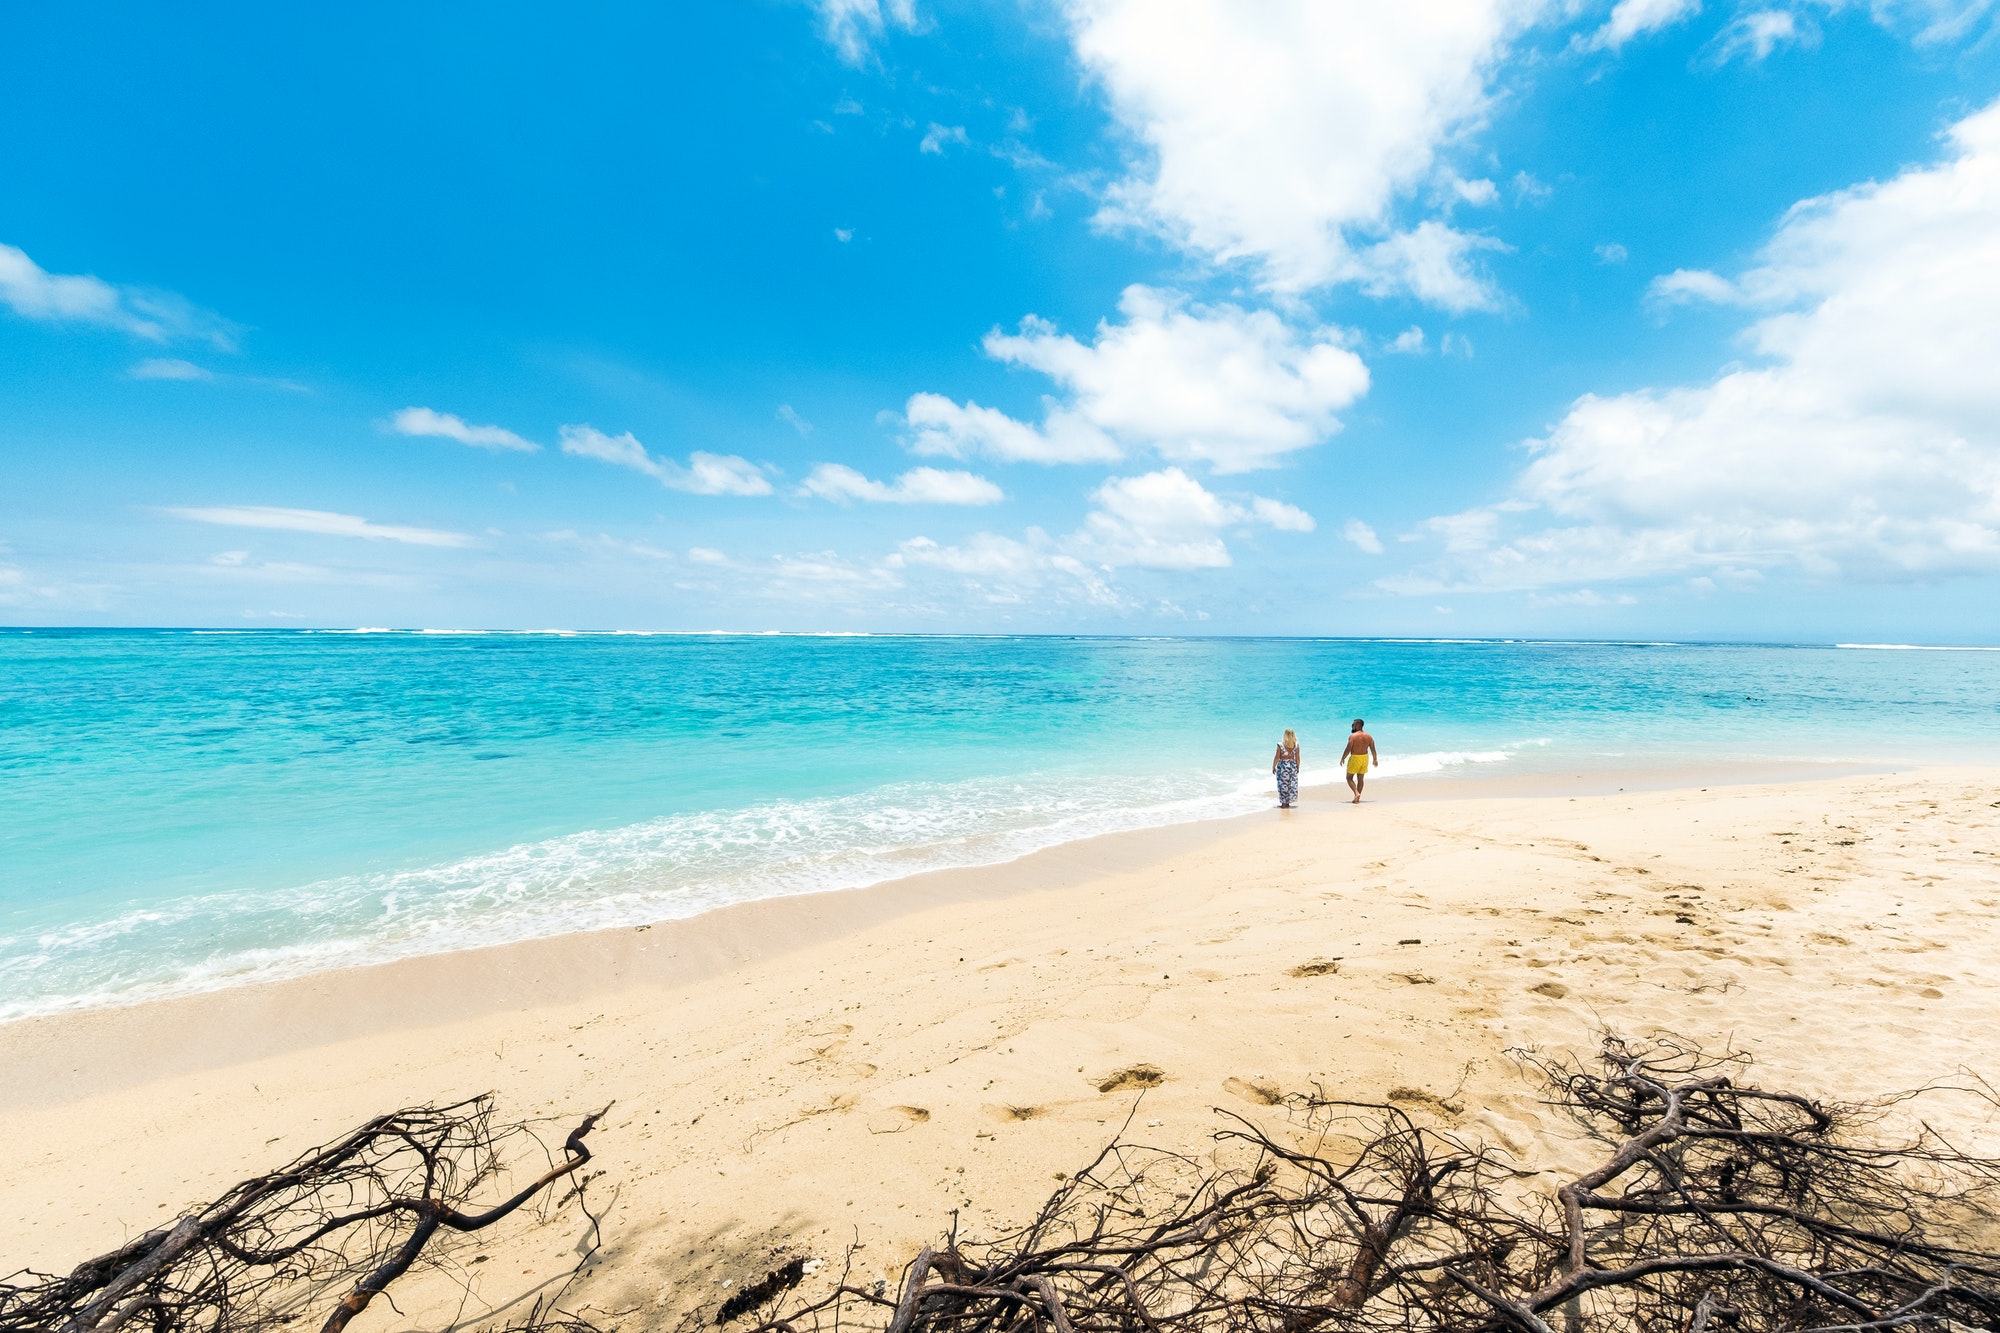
column 354, row 1215
column 1724, row 1203
column 1708, row 1204
column 1713, row 1204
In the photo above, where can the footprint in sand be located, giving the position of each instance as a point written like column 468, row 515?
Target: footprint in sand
column 1407, row 1097
column 1318, row 967
column 1263, row 1092
column 1554, row 990
column 829, row 1053
column 896, row 1119
column 1132, row 1076
column 1007, row 1115
column 825, row 1043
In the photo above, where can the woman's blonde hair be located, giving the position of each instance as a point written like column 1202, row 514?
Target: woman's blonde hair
column 1291, row 739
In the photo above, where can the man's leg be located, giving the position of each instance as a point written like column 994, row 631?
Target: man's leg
column 1360, row 781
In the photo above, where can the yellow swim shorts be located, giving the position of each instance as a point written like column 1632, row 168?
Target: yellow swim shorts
column 1357, row 763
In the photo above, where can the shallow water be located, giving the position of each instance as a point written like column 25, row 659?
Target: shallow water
column 182, row 810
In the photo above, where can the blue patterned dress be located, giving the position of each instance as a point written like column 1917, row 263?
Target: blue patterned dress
column 1288, row 778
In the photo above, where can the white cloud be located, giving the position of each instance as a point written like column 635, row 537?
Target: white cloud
column 938, row 136
column 843, row 234
column 1410, row 341
column 317, row 521
column 830, row 569
column 1865, row 446
column 940, row 426
column 1362, row 536
column 1168, row 520
column 1472, row 530
column 1232, row 388
column 1583, row 597
column 1277, row 514
column 1529, row 190
column 1479, row 193
column 1926, row 21
column 1158, row 521
column 292, row 572
column 851, row 26
column 1684, row 285
column 1755, row 35
column 35, row 589
column 604, row 544
column 17, row 590
column 791, row 418
column 1002, row 571
column 445, row 426
column 714, row 474
column 1635, row 18
column 34, row 293
column 924, row 485
column 704, row 473
column 984, row 553
column 1230, row 108
column 1612, row 253
column 169, row 368
column 1429, row 261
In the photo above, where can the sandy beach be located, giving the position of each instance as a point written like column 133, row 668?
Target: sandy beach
column 813, row 1072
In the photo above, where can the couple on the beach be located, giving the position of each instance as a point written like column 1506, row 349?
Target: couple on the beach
column 1355, row 758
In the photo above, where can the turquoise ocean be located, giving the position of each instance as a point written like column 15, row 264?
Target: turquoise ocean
column 184, row 810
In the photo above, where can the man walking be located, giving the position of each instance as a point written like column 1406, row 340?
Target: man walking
column 1360, row 749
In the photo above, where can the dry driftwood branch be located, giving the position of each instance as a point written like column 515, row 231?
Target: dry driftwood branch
column 1713, row 1205
column 353, row 1216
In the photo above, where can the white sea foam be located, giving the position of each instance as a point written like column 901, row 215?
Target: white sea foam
column 1921, row 647
column 1401, row 765
column 660, row 869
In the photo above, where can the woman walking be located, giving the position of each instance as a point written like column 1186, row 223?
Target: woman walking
column 1285, row 763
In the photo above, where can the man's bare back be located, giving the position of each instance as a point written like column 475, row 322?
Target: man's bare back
column 1357, row 757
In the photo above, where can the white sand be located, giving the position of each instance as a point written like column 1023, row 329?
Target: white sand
column 858, row 1065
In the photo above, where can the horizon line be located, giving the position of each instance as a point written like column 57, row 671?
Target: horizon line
column 556, row 632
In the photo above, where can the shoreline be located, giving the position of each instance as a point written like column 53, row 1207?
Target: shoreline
column 205, row 1029
column 883, row 1065
column 490, row 975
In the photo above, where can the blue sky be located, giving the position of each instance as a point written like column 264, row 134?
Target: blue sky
column 1517, row 317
